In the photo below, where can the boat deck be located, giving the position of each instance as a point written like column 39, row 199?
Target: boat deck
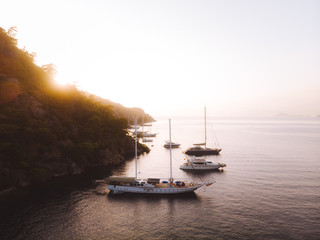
column 174, row 185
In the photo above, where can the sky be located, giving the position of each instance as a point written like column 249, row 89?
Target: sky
column 173, row 57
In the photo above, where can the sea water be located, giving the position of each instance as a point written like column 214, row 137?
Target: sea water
column 270, row 189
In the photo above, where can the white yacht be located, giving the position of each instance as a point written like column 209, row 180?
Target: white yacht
column 200, row 163
column 118, row 184
column 173, row 145
column 147, row 140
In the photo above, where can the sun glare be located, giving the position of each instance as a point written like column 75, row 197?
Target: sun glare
column 141, row 59
column 62, row 79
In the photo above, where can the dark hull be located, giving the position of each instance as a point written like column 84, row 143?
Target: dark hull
column 202, row 151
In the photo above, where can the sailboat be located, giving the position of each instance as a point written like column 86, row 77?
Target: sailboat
column 197, row 150
column 119, row 184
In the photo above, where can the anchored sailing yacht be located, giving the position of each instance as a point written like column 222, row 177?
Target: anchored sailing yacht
column 197, row 150
column 151, row 185
column 200, row 163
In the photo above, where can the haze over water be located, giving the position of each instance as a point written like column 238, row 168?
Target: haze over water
column 270, row 189
column 240, row 58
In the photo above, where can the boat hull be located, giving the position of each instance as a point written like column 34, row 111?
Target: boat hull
column 200, row 168
column 116, row 189
column 149, row 135
column 172, row 146
column 202, row 151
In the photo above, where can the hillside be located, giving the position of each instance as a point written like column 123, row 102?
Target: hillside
column 123, row 112
column 47, row 131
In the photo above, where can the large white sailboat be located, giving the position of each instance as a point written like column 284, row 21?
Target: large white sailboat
column 197, row 150
column 119, row 184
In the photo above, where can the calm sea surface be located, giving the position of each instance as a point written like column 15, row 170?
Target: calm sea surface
column 270, row 189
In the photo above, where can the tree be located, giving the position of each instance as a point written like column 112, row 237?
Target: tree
column 12, row 32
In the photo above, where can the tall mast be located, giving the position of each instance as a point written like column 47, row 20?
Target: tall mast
column 142, row 123
column 136, row 145
column 171, row 179
column 205, row 128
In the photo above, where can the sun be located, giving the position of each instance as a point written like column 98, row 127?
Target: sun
column 62, row 78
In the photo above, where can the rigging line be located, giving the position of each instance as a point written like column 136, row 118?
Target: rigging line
column 219, row 158
column 182, row 150
column 215, row 136
column 195, row 170
column 204, row 186
column 174, row 138
column 175, row 159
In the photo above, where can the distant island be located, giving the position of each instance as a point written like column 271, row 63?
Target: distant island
column 47, row 132
column 293, row 116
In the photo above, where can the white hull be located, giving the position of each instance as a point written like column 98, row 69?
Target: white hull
column 190, row 167
column 200, row 163
column 172, row 146
column 149, row 134
column 116, row 189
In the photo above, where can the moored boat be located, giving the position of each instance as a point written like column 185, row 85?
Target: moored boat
column 200, row 163
column 146, row 134
column 172, row 144
column 147, row 140
column 119, row 184
column 150, row 186
column 197, row 150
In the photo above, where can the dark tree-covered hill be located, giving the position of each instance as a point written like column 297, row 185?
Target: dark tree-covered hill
column 47, row 131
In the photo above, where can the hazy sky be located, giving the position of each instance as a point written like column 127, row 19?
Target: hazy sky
column 238, row 58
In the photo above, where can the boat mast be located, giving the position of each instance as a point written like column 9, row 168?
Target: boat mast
column 205, row 128
column 142, row 123
column 136, row 145
column 171, row 179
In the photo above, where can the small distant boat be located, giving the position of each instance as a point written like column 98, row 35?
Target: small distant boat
column 173, row 145
column 138, row 132
column 197, row 150
column 147, row 140
column 200, row 163
column 146, row 134
column 142, row 134
column 118, row 184
column 146, row 125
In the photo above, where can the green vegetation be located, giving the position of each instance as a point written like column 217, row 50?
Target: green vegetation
column 47, row 131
